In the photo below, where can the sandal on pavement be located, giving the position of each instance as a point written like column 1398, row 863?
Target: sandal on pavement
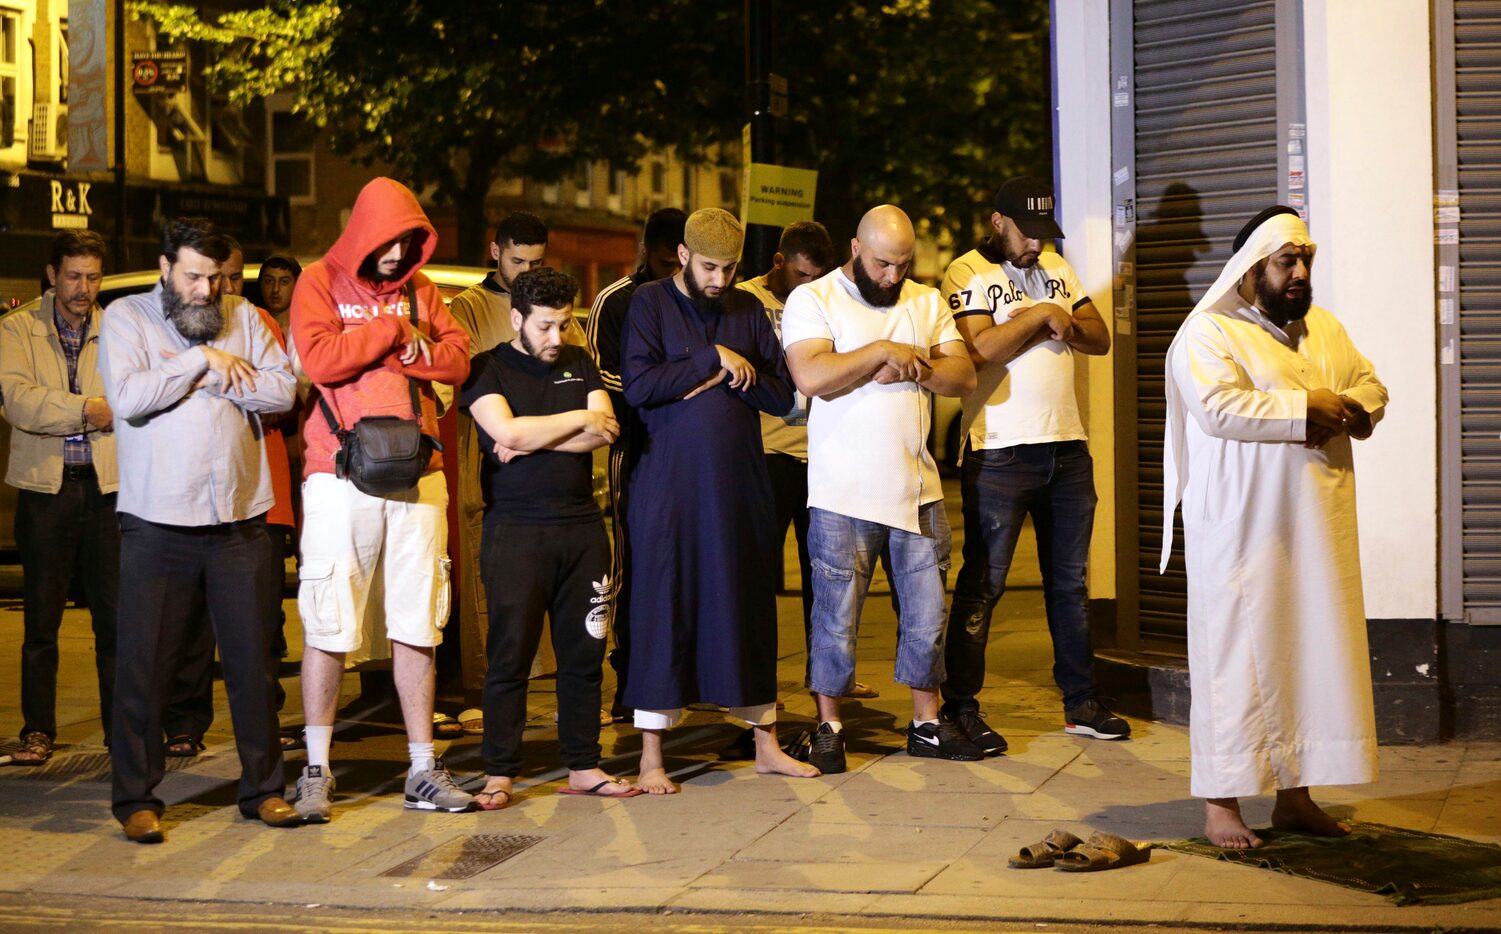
column 491, row 805
column 184, row 746
column 862, row 690
column 36, row 748
column 595, row 792
column 446, row 727
column 1103, row 851
column 1044, row 854
column 472, row 721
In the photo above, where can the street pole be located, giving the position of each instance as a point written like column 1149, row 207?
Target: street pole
column 120, row 73
column 760, row 239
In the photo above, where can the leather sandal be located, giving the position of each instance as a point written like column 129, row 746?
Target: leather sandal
column 1103, row 851
column 36, row 748
column 1043, row 854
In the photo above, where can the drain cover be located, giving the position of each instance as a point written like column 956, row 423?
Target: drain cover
column 465, row 857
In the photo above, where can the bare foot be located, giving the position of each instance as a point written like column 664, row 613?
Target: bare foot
column 1224, row 826
column 656, row 782
column 497, row 793
column 1296, row 812
column 771, row 760
column 589, row 779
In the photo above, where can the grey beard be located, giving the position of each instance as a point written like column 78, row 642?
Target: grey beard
column 198, row 324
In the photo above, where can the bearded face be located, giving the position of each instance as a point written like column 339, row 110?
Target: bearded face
column 196, row 314
column 701, row 297
column 875, row 294
column 1282, row 287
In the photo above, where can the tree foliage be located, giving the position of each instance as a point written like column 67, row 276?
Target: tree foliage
column 925, row 103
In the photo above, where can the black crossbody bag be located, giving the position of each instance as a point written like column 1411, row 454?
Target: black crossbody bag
column 384, row 454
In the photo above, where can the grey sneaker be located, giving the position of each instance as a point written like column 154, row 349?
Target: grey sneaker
column 434, row 790
column 315, row 791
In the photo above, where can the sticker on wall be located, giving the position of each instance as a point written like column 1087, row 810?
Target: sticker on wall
column 1446, row 279
column 1446, row 311
column 1445, row 236
column 1122, row 175
column 1121, row 98
column 1297, row 130
column 1446, row 356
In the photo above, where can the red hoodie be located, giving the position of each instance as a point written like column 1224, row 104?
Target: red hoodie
column 349, row 331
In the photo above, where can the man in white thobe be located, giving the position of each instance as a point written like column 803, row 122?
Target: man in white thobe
column 1264, row 393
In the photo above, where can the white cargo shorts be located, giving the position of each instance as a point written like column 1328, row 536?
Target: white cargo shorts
column 373, row 567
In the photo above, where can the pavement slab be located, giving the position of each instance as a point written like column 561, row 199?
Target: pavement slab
column 894, row 843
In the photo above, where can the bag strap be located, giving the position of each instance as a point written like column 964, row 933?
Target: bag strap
column 412, row 317
column 333, row 423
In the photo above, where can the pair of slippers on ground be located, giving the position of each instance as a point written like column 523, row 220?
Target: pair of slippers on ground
column 1067, row 853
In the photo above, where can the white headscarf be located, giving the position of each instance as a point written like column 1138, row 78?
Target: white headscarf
column 1272, row 235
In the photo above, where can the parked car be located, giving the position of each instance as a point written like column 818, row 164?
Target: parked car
column 450, row 280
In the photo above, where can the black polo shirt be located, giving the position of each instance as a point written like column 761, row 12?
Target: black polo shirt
column 543, row 487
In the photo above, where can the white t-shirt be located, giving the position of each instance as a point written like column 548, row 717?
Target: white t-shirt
column 867, row 444
column 1029, row 399
column 780, row 434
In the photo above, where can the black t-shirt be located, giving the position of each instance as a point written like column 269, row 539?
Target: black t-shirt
column 543, row 487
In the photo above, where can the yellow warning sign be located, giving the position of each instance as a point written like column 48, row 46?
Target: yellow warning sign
column 777, row 195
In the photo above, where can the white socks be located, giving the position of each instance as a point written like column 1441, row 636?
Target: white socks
column 836, row 725
column 924, row 722
column 319, row 739
column 422, row 757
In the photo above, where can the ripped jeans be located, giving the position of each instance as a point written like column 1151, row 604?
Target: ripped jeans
column 1054, row 482
column 843, row 551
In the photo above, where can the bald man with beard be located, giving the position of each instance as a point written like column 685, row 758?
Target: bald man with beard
column 873, row 347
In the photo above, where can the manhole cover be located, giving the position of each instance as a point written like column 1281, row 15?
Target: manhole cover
column 465, row 857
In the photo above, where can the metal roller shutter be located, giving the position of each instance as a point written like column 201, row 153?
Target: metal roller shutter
column 1477, row 149
column 1205, row 145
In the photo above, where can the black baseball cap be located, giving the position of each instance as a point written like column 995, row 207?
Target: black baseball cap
column 1028, row 201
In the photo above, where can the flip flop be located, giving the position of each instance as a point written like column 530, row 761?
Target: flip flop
column 594, row 792
column 472, row 721
column 492, row 806
column 1103, row 851
column 1043, row 854
column 446, row 727
column 862, row 690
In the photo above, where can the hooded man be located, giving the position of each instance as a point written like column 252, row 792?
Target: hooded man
column 1264, row 392
column 374, row 560
column 700, row 362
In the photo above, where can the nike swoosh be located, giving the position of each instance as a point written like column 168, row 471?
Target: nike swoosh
column 931, row 741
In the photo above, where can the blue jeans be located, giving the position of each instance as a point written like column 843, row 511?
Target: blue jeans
column 1055, row 483
column 843, row 553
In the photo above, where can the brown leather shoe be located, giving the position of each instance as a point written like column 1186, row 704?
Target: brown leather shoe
column 276, row 812
column 143, row 827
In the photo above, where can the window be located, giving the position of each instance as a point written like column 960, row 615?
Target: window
column 292, row 140
column 10, row 36
column 583, row 187
column 658, row 178
column 62, row 62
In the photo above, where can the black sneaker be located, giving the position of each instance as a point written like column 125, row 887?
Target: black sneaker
column 740, row 749
column 1092, row 719
column 979, row 732
column 827, row 751
column 943, row 741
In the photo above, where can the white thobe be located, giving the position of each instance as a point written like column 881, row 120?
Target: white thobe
column 1278, row 660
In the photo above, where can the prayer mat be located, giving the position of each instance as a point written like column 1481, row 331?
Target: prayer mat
column 1409, row 867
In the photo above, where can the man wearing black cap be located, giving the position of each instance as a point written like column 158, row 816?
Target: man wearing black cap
column 1024, row 315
